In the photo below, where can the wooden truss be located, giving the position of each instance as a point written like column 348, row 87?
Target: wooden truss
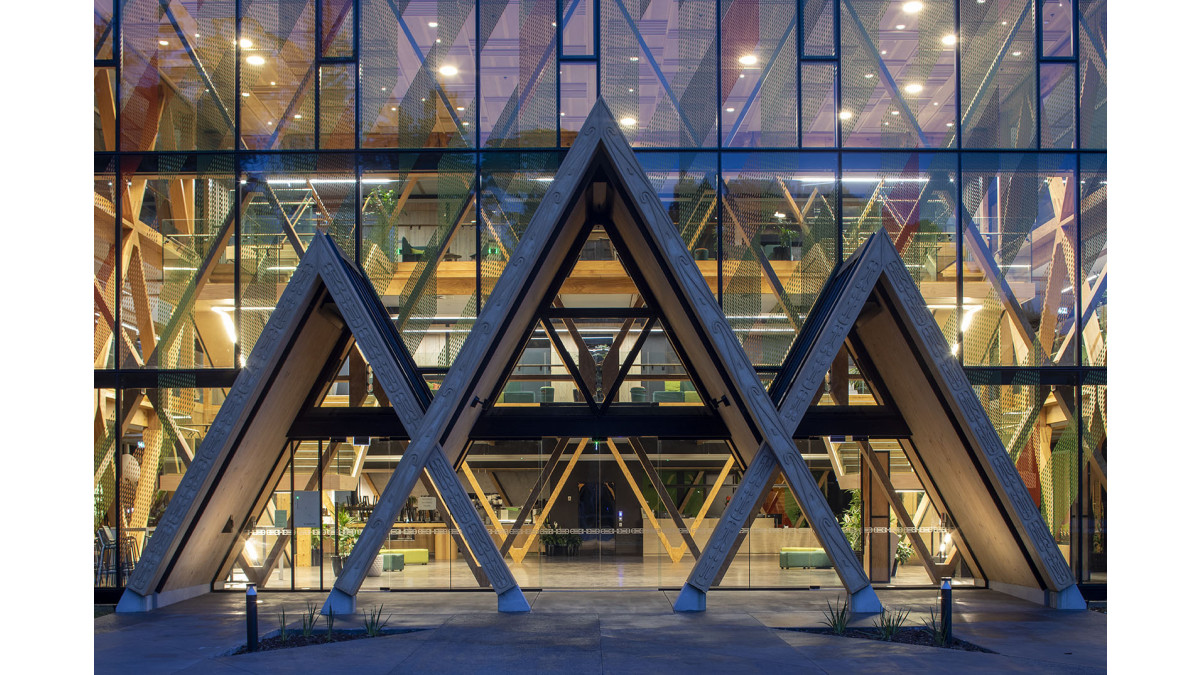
column 600, row 182
column 872, row 306
column 325, row 306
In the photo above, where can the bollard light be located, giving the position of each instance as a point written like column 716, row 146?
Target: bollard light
column 947, row 608
column 251, row 619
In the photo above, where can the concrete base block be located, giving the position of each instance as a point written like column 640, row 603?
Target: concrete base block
column 691, row 599
column 864, row 600
column 512, row 601
column 341, row 603
column 1067, row 598
column 135, row 602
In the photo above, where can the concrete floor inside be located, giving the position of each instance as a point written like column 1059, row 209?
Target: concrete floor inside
column 596, row 573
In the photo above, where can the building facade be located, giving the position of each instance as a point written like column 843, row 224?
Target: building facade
column 421, row 136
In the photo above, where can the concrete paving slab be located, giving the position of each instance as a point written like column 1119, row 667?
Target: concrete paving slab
column 594, row 632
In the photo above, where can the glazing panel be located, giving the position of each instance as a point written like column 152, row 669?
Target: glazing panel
column 417, row 73
column 779, row 245
column 337, row 29
column 998, row 82
column 177, row 286
column 819, row 39
column 1058, row 35
column 897, row 74
column 512, row 187
column 758, row 73
column 517, row 73
column 108, row 561
column 579, row 32
column 577, row 95
column 104, row 126
column 278, row 74
column 104, row 266
column 288, row 199
column 1093, row 73
column 665, row 51
column 818, row 102
column 686, row 184
column 177, row 75
column 1019, row 259
column 1094, row 502
column 103, row 29
column 1093, row 182
column 418, row 248
column 337, row 107
column 1058, row 105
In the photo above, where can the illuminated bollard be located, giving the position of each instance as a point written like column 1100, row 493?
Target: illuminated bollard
column 947, row 608
column 251, row 619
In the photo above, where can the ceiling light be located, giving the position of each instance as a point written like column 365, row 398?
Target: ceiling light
column 729, row 110
column 433, row 24
column 628, row 122
column 562, row 114
column 163, row 43
column 1016, row 53
column 845, row 115
column 245, row 93
column 895, row 112
column 197, row 35
column 949, row 124
column 883, row 53
column 439, row 41
column 912, row 7
column 779, row 215
column 869, row 75
column 393, row 110
column 935, row 102
column 742, row 76
column 246, row 44
column 298, row 116
column 1003, row 23
column 949, row 39
column 913, row 88
column 554, row 24
column 460, row 108
column 270, row 123
column 631, row 90
column 633, row 58
column 900, row 26
column 383, row 89
column 255, row 60
column 448, row 71
column 748, row 60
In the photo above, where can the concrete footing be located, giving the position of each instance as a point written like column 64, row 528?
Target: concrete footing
column 135, row 602
column 340, row 603
column 1067, row 598
column 864, row 600
column 512, row 601
column 691, row 599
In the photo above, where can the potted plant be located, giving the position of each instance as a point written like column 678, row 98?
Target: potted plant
column 345, row 537
column 904, row 551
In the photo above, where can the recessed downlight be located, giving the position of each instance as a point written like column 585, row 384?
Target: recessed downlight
column 913, row 88
column 448, row 71
column 255, row 60
column 628, row 122
column 748, row 60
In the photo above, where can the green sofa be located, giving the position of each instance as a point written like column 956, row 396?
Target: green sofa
column 394, row 559
column 800, row 556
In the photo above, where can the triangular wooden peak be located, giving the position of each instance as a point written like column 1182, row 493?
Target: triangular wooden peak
column 873, row 307
column 327, row 308
column 601, row 183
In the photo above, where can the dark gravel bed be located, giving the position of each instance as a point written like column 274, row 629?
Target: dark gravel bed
column 908, row 636
column 297, row 639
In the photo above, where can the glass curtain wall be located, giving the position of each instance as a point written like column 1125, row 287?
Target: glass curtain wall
column 420, row 136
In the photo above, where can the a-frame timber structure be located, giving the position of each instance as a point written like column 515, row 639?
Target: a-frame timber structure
column 871, row 307
column 327, row 309
column 601, row 183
